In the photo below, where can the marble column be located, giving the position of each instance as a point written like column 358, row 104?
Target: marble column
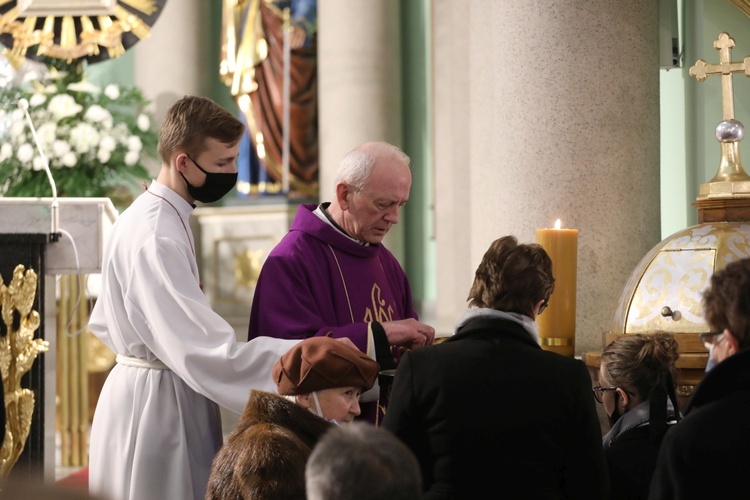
column 359, row 82
column 175, row 59
column 543, row 111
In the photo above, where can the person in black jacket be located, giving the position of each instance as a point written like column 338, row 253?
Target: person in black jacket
column 488, row 410
column 707, row 454
column 636, row 387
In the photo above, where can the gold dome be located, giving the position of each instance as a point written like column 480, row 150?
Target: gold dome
column 665, row 289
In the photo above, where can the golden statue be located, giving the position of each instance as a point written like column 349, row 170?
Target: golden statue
column 18, row 350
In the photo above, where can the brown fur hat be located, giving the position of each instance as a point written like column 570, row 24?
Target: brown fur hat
column 319, row 363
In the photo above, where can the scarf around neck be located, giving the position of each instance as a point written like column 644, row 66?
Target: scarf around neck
column 483, row 312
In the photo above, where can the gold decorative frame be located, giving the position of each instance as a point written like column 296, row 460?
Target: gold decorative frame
column 75, row 44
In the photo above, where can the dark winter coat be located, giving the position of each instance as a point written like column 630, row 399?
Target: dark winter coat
column 707, row 454
column 489, row 410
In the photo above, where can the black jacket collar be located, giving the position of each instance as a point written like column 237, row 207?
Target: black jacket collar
column 730, row 376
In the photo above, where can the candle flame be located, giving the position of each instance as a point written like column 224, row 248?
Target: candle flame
column 558, row 224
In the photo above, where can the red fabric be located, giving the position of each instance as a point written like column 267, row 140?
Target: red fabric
column 77, row 481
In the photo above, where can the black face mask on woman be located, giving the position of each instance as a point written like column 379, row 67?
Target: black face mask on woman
column 216, row 186
column 616, row 414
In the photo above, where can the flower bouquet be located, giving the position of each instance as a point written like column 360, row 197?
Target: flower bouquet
column 95, row 140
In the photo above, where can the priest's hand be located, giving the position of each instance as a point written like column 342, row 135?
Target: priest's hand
column 408, row 333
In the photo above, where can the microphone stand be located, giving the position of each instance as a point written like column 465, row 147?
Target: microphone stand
column 55, row 206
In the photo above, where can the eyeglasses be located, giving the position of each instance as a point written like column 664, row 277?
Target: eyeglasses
column 598, row 391
column 710, row 339
column 543, row 306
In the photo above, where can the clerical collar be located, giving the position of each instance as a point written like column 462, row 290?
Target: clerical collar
column 322, row 213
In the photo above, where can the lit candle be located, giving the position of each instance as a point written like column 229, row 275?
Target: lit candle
column 557, row 323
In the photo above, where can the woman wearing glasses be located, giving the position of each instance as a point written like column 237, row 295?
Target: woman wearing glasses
column 488, row 410
column 636, row 387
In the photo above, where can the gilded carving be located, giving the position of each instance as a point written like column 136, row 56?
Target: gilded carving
column 247, row 266
column 18, row 350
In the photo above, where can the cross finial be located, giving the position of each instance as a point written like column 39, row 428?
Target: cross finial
column 731, row 180
column 701, row 70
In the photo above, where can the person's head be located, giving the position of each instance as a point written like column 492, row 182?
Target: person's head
column 326, row 376
column 362, row 462
column 513, row 277
column 198, row 146
column 372, row 184
column 726, row 306
column 632, row 368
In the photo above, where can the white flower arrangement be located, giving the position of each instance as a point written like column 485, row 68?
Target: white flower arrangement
column 94, row 141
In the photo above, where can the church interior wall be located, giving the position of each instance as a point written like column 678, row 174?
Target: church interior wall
column 462, row 122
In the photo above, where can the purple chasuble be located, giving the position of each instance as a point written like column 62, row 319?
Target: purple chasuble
column 317, row 281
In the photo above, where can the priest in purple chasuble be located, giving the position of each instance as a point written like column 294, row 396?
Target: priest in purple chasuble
column 331, row 275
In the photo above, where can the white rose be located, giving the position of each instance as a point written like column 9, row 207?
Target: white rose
column 84, row 137
column 143, row 122
column 37, row 100
column 17, row 115
column 131, row 158
column 38, row 163
column 60, row 148
column 112, row 91
column 63, row 106
column 6, row 151
column 70, row 159
column 97, row 114
column 30, row 76
column 107, row 143
column 17, row 130
column 47, row 133
column 103, row 155
column 121, row 132
column 134, row 143
column 25, row 153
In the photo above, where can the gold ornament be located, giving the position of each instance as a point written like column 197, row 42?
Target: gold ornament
column 18, row 350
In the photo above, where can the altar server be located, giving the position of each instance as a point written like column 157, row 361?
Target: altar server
column 157, row 424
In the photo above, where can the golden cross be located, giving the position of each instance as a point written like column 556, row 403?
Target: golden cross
column 725, row 68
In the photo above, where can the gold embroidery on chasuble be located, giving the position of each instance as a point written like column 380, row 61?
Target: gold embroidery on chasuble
column 380, row 311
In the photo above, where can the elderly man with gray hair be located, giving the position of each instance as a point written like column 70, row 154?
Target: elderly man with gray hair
column 362, row 462
column 331, row 275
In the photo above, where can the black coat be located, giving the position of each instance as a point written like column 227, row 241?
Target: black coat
column 489, row 411
column 707, row 454
column 631, row 461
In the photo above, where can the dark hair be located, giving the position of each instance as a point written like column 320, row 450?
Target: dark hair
column 726, row 304
column 641, row 362
column 190, row 121
column 512, row 277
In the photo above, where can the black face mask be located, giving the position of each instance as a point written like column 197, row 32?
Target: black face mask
column 615, row 416
column 216, row 186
